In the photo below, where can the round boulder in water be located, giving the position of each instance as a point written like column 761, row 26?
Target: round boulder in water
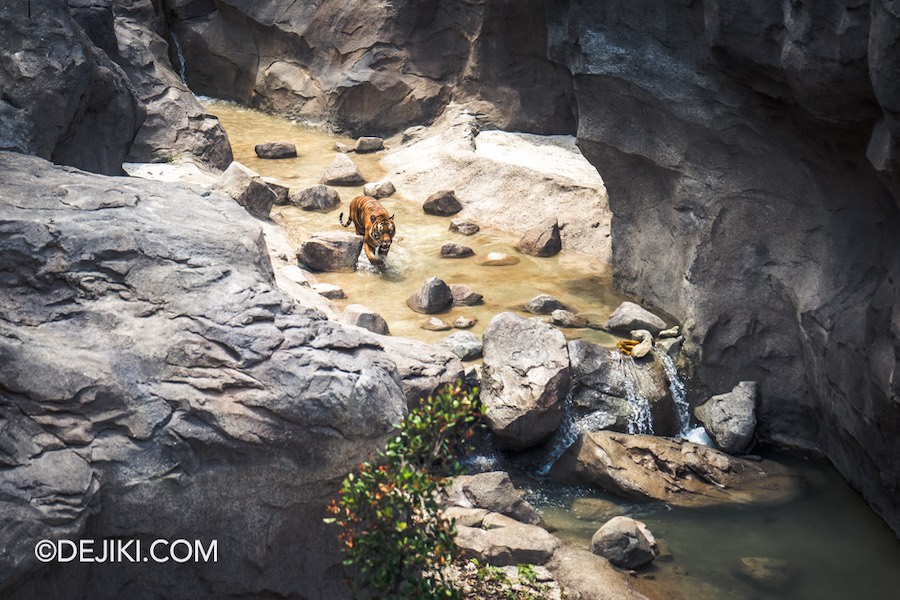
column 463, row 295
column 630, row 316
column 499, row 259
column 276, row 150
column 434, row 296
column 343, row 171
column 365, row 317
column 452, row 250
column 331, row 251
column 464, row 227
column 624, row 542
column 442, row 204
column 317, row 197
column 731, row 418
column 544, row 304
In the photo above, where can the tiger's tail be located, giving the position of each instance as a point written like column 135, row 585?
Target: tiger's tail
column 341, row 220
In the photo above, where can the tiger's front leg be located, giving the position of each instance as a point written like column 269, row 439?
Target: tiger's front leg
column 374, row 258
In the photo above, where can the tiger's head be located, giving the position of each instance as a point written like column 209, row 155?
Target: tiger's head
column 381, row 234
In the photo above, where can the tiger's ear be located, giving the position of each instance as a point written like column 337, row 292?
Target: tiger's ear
column 392, row 217
column 372, row 218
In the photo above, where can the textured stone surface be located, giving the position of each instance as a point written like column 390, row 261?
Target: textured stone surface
column 276, row 150
column 368, row 144
column 730, row 419
column 442, row 204
column 542, row 239
column 317, row 197
column 525, row 379
column 379, row 189
column 544, row 304
column 433, row 296
column 463, row 295
column 331, row 251
column 365, row 317
column 493, row 491
column 155, row 379
column 513, row 545
column 629, row 316
column 625, row 542
column 464, row 226
column 248, row 189
column 467, row 346
column 452, row 250
column 342, row 171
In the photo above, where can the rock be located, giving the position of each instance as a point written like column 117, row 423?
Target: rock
column 369, row 144
column 379, row 189
column 317, row 197
column 544, row 304
column 596, row 509
column 248, row 189
column 671, row 332
column 499, row 259
column 464, row 321
column 465, row 345
column 342, row 147
column 423, row 368
column 342, row 171
column 329, row 290
column 542, row 240
column 768, row 573
column 645, row 343
column 493, row 491
column 524, row 381
column 643, row 467
column 671, row 346
column 276, row 150
column 513, row 545
column 365, row 317
column 463, row 295
column 565, row 318
column 435, row 324
column 494, row 520
column 187, row 429
column 434, row 296
column 442, row 204
column 464, row 226
column 629, row 316
column 731, row 418
column 590, row 576
column 465, row 517
column 624, row 542
column 331, row 251
column 282, row 192
column 605, row 383
column 452, row 250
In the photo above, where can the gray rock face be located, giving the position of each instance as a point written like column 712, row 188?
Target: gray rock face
column 544, row 304
column 342, row 171
column 248, row 189
column 369, row 144
column 566, row 318
column 493, row 491
column 423, row 368
column 464, row 227
column 317, row 197
column 629, row 316
column 463, row 295
column 514, row 544
column 434, row 296
column 365, row 317
column 379, row 189
column 524, row 380
column 541, row 240
column 192, row 399
column 273, row 150
column 624, row 542
column 442, row 204
column 467, row 346
column 338, row 61
column 331, row 251
column 730, row 419
column 776, row 289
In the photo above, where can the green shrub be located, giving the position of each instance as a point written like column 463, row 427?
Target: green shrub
column 393, row 534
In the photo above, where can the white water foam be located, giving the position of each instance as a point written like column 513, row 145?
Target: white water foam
column 677, row 389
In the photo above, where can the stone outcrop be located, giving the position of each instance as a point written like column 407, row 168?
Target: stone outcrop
column 625, row 542
column 525, row 379
column 156, row 380
column 248, row 189
column 730, row 419
column 339, row 61
column 730, row 137
column 343, row 171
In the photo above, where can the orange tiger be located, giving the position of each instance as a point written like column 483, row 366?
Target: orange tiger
column 373, row 222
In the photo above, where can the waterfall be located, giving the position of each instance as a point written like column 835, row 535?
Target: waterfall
column 179, row 56
column 564, row 437
column 676, row 387
column 641, row 419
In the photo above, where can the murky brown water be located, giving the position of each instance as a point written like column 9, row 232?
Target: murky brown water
column 579, row 281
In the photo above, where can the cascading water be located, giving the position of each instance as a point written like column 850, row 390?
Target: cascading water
column 677, row 389
column 642, row 419
column 180, row 58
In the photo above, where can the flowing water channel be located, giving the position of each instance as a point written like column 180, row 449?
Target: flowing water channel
column 836, row 547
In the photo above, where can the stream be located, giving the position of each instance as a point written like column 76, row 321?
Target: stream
column 836, row 547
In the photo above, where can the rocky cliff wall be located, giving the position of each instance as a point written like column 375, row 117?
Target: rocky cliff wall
column 749, row 154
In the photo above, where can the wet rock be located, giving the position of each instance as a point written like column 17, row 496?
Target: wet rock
column 342, row 147
column 645, row 343
column 464, row 226
column 467, row 346
column 343, row 171
column 629, row 315
column 329, row 290
column 248, row 189
column 452, row 250
column 544, row 304
column 369, row 144
column 624, row 542
column 513, row 545
column 463, row 295
column 525, row 379
column 435, row 324
column 379, row 189
column 434, row 296
column 680, row 473
column 273, row 150
column 499, row 259
column 365, row 317
column 282, row 192
column 542, row 240
column 731, row 418
column 768, row 573
column 493, row 491
column 464, row 321
column 596, row 509
column 566, row 318
column 671, row 346
column 317, row 197
column 671, row 332
column 331, row 251
column 442, row 204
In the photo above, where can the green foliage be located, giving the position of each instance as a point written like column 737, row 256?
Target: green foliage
column 392, row 531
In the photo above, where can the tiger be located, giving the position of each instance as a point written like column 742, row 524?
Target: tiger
column 374, row 224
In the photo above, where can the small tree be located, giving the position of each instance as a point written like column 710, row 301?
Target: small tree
column 393, row 533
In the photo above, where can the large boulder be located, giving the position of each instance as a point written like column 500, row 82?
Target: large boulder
column 365, row 317
column 274, row 150
column 525, row 379
column 331, row 251
column 492, row 491
column 514, row 544
column 629, row 316
column 317, row 197
column 248, row 189
column 442, row 204
column 156, row 384
column 434, row 296
column 625, row 542
column 542, row 239
column 730, row 419
column 343, row 171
